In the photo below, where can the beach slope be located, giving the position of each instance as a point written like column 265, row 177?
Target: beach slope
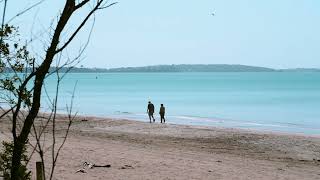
column 140, row 150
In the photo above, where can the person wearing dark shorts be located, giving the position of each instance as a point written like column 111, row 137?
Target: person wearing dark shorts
column 150, row 111
column 162, row 112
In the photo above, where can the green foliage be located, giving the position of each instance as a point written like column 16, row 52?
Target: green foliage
column 15, row 61
column 5, row 162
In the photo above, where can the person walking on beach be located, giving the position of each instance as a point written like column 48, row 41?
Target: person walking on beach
column 162, row 112
column 150, row 111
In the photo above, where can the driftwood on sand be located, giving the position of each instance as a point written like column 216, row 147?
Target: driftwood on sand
column 89, row 165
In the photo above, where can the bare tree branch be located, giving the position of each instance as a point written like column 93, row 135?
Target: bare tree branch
column 97, row 7
column 3, row 15
column 82, row 3
column 25, row 10
column 54, row 124
column 107, row 6
column 7, row 111
column 25, row 123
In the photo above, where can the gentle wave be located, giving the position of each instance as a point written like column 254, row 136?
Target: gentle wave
column 221, row 122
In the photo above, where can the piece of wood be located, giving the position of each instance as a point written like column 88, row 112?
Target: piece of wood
column 39, row 170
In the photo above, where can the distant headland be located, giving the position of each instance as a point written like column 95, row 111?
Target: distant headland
column 188, row 68
column 178, row 68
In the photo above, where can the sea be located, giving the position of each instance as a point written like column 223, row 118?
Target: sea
column 286, row 102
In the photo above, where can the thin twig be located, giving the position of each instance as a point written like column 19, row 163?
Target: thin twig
column 25, row 10
column 97, row 7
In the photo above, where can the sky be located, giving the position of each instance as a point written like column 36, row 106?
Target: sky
column 273, row 33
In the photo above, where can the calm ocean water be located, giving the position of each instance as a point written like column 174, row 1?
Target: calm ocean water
column 275, row 101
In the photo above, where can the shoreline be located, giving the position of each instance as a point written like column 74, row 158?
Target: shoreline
column 140, row 150
column 244, row 129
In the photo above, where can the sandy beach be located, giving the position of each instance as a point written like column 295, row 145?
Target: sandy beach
column 140, row 150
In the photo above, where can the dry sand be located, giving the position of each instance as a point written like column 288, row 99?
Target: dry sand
column 140, row 150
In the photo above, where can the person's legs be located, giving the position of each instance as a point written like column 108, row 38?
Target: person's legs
column 149, row 117
column 162, row 117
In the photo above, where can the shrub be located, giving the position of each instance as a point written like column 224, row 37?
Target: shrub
column 6, row 158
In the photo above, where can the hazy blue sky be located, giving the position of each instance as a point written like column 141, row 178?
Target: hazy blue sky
column 273, row 33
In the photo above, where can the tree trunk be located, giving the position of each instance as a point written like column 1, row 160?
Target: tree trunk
column 41, row 71
column 38, row 82
column 16, row 159
column 21, row 140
